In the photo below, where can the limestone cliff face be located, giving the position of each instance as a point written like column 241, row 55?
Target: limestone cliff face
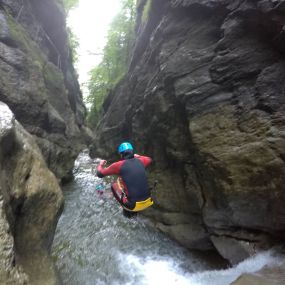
column 205, row 97
column 30, row 204
column 37, row 79
column 38, row 91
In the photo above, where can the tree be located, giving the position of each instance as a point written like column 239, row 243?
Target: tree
column 116, row 57
column 69, row 4
column 73, row 45
column 72, row 39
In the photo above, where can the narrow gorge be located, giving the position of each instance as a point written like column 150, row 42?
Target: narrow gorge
column 204, row 96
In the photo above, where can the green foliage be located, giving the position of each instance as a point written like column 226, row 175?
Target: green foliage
column 146, row 10
column 69, row 4
column 116, row 56
column 53, row 77
column 73, row 44
column 72, row 39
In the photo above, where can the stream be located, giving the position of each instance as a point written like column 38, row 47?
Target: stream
column 96, row 245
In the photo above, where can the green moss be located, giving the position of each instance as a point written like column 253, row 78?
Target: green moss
column 21, row 38
column 36, row 59
column 146, row 10
column 138, row 3
column 17, row 34
column 53, row 77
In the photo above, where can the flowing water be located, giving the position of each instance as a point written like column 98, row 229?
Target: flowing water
column 96, row 245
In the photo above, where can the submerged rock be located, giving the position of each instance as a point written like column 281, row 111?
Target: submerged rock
column 266, row 276
column 30, row 204
column 205, row 97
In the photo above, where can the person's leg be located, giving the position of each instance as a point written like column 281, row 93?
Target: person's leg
column 116, row 191
column 119, row 195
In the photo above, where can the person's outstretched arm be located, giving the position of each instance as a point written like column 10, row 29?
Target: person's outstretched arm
column 113, row 169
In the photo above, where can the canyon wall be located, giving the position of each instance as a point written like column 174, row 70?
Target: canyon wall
column 38, row 81
column 41, row 133
column 205, row 98
column 30, row 204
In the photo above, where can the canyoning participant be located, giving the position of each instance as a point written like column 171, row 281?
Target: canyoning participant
column 131, row 188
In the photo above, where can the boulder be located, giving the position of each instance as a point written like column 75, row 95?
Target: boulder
column 30, row 204
column 232, row 249
column 191, row 236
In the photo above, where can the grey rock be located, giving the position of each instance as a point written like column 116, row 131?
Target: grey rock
column 204, row 96
column 189, row 235
column 9, row 273
column 232, row 249
column 30, row 204
column 4, row 28
column 273, row 275
column 38, row 81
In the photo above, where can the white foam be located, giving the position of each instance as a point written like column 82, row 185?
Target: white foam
column 6, row 118
column 155, row 271
column 225, row 277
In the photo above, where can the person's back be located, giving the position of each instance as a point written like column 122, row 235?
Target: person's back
column 134, row 177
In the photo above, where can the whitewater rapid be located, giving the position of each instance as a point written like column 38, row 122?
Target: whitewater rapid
column 95, row 245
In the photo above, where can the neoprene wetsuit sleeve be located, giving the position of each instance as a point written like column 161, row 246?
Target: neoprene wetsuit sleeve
column 100, row 166
column 99, row 174
column 113, row 169
column 144, row 159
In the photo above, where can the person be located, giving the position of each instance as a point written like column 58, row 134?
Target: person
column 131, row 188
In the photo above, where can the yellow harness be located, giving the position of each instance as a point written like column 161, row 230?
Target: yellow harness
column 141, row 205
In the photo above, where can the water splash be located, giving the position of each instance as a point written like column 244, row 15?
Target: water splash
column 250, row 265
column 154, row 270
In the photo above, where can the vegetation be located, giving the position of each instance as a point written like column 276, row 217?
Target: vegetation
column 73, row 44
column 115, row 60
column 69, row 4
column 146, row 10
column 72, row 39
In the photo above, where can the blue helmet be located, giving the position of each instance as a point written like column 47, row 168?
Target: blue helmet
column 125, row 146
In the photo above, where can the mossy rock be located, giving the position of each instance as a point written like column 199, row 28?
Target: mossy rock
column 146, row 11
column 19, row 37
column 53, row 77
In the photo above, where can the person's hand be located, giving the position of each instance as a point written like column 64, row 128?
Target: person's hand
column 103, row 162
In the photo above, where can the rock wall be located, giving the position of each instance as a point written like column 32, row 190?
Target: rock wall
column 30, row 204
column 205, row 97
column 41, row 129
column 38, row 81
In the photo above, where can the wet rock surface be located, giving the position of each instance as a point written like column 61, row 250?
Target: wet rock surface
column 41, row 133
column 38, row 81
column 30, row 204
column 204, row 96
column 265, row 276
